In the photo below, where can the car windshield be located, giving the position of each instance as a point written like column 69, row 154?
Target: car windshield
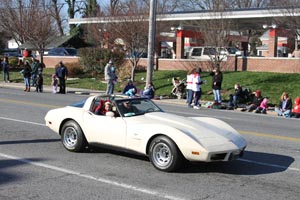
column 138, row 106
column 78, row 104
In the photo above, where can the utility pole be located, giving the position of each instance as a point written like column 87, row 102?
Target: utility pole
column 151, row 41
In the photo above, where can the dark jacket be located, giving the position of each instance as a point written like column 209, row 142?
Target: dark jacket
column 5, row 66
column 27, row 71
column 128, row 87
column 288, row 106
column 257, row 100
column 239, row 92
column 217, row 79
column 61, row 72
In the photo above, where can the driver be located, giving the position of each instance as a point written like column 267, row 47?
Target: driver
column 126, row 107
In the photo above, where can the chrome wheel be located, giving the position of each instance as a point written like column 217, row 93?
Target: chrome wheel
column 162, row 154
column 70, row 137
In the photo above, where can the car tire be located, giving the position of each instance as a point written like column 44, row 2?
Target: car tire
column 164, row 154
column 72, row 137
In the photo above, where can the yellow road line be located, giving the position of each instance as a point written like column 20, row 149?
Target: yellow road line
column 27, row 103
column 270, row 136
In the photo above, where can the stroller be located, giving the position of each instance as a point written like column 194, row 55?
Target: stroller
column 179, row 88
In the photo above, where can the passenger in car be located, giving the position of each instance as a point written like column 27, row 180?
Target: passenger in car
column 99, row 108
column 107, row 107
column 103, row 107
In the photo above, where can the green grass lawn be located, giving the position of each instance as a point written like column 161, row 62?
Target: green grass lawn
column 271, row 84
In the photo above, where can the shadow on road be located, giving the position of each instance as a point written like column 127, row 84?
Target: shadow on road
column 252, row 163
column 29, row 141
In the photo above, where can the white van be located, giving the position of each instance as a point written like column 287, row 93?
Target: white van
column 208, row 53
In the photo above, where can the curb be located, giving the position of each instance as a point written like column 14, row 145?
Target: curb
column 78, row 91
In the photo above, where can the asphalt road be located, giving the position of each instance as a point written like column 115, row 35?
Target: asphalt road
column 34, row 164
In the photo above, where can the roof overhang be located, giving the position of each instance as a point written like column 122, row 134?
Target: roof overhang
column 242, row 19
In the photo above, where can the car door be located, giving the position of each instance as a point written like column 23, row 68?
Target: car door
column 104, row 129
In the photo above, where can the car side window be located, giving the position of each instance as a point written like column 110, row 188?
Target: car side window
column 197, row 52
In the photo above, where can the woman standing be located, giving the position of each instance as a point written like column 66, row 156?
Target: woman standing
column 27, row 75
column 217, row 78
column 5, row 69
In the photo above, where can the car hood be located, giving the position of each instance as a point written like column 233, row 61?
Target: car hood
column 205, row 130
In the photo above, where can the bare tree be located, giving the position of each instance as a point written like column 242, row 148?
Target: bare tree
column 74, row 7
column 94, row 33
column 215, row 4
column 42, row 31
column 291, row 21
column 132, row 31
column 215, row 32
column 11, row 19
column 28, row 21
column 55, row 10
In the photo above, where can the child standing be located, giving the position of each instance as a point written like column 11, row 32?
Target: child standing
column 39, row 83
column 54, row 83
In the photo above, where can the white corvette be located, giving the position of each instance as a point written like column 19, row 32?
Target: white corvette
column 167, row 139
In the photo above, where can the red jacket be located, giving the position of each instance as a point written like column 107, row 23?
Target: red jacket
column 296, row 108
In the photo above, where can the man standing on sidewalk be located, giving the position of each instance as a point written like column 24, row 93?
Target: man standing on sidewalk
column 109, row 76
column 62, row 73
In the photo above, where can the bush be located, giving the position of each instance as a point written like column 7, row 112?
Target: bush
column 90, row 59
column 124, row 73
column 13, row 61
column 93, row 60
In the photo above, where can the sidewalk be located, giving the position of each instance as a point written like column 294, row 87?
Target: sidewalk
column 80, row 91
column 48, row 88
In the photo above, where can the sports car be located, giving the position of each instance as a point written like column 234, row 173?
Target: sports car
column 138, row 125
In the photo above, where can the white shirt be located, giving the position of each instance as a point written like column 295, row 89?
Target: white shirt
column 196, row 82
column 189, row 81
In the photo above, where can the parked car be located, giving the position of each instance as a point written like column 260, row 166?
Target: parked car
column 11, row 53
column 208, row 53
column 62, row 51
column 137, row 55
column 139, row 125
column 234, row 51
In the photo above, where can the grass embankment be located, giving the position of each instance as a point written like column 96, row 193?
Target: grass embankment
column 271, row 84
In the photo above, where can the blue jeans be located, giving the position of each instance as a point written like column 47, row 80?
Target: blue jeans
column 286, row 113
column 5, row 76
column 33, row 77
column 27, row 81
column 217, row 96
column 110, row 87
column 233, row 101
column 194, row 95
